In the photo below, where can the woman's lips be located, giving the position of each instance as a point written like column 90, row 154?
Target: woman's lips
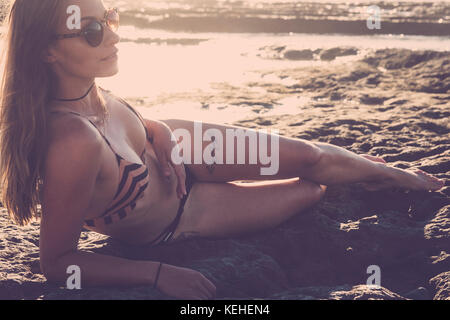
column 113, row 56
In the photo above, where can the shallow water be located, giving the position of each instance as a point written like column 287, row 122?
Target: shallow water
column 150, row 70
column 415, row 10
column 155, row 63
column 147, row 70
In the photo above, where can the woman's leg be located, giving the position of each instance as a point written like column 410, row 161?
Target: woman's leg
column 337, row 166
column 322, row 163
column 294, row 158
column 223, row 210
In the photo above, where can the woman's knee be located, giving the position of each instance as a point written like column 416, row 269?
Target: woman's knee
column 307, row 155
column 314, row 191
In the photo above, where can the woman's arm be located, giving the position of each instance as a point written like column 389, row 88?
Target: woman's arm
column 164, row 143
column 72, row 167
column 102, row 270
column 151, row 125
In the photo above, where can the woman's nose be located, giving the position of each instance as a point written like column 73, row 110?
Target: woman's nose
column 111, row 36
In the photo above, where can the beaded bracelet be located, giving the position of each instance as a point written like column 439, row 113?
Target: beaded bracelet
column 157, row 275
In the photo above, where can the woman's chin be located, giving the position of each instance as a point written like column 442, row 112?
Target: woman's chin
column 108, row 73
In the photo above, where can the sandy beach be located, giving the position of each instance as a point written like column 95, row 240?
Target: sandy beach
column 390, row 102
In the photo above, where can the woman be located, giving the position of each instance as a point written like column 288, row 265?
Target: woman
column 90, row 160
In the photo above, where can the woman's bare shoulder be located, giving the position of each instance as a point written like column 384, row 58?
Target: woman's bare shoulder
column 72, row 142
column 65, row 125
column 70, row 139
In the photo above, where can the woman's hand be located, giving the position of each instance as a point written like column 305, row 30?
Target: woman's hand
column 163, row 143
column 185, row 284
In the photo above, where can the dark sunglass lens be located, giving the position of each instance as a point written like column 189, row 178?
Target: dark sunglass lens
column 94, row 34
column 113, row 20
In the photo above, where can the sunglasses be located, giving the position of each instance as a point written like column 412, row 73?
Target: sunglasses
column 94, row 31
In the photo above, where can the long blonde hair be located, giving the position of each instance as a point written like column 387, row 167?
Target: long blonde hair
column 27, row 86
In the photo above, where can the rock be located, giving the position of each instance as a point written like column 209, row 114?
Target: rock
column 264, row 122
column 334, row 96
column 420, row 293
column 365, row 292
column 438, row 229
column 271, row 52
column 372, row 100
column 331, row 54
column 408, row 59
column 375, row 79
column 362, row 71
column 299, row 54
column 392, row 59
column 441, row 286
column 343, row 292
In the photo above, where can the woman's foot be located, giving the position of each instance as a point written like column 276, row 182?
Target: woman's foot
column 409, row 179
column 373, row 186
column 416, row 179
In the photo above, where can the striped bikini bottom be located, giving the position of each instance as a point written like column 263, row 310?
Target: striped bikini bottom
column 167, row 234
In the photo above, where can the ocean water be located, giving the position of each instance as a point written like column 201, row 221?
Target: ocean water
column 160, row 55
column 158, row 67
column 164, row 61
column 150, row 71
column 413, row 10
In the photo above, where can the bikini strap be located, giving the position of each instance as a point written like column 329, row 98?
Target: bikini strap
column 147, row 137
column 79, row 114
column 138, row 115
column 140, row 118
column 134, row 111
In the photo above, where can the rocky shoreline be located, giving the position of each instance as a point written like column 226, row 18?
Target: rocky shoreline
column 395, row 103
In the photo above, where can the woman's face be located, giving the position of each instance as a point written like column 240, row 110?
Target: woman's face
column 74, row 56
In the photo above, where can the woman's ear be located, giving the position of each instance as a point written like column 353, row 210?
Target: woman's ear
column 48, row 56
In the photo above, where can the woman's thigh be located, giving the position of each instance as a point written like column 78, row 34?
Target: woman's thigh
column 223, row 210
column 289, row 157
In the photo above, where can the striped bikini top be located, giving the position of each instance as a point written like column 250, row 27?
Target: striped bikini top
column 134, row 178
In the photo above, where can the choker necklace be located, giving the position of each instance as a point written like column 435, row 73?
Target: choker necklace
column 76, row 99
